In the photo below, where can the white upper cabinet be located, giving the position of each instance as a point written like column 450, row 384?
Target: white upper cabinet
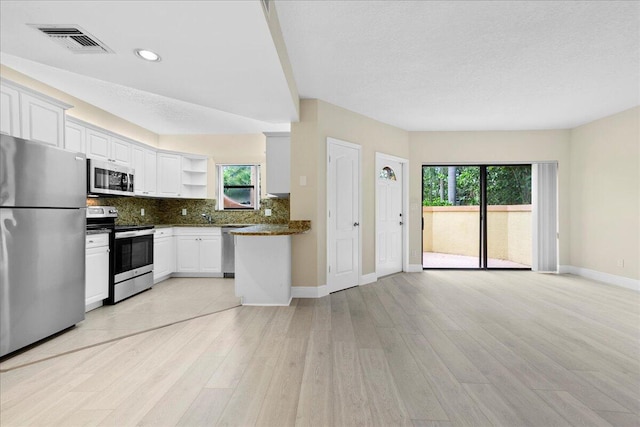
column 194, row 176
column 9, row 111
column 169, row 175
column 75, row 136
column 98, row 145
column 27, row 114
column 41, row 120
column 120, row 151
column 144, row 162
column 150, row 171
column 278, row 163
column 137, row 163
column 103, row 146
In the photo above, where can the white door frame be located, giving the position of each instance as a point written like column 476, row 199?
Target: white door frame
column 330, row 232
column 405, row 207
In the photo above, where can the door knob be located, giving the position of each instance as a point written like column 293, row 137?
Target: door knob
column 356, row 224
column 401, row 222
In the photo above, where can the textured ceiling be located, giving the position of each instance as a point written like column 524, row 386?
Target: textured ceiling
column 219, row 73
column 418, row 65
column 474, row 65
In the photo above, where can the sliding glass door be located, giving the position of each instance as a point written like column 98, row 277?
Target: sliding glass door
column 450, row 212
column 476, row 216
column 508, row 225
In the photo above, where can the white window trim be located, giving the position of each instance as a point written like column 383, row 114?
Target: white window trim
column 220, row 186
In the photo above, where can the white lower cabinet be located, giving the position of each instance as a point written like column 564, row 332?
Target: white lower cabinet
column 188, row 254
column 198, row 251
column 96, row 270
column 164, row 260
column 211, row 254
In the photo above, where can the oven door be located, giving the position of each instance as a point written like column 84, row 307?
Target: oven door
column 109, row 178
column 134, row 254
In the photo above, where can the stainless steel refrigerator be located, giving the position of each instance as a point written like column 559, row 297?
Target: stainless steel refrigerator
column 42, row 242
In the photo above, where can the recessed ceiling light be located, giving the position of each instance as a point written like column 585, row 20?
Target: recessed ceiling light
column 147, row 55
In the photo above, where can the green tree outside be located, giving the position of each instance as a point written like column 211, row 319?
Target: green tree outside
column 237, row 175
column 506, row 185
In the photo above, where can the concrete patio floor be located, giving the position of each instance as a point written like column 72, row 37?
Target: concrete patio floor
column 440, row 260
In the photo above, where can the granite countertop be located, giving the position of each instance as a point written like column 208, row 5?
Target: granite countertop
column 203, row 225
column 294, row 227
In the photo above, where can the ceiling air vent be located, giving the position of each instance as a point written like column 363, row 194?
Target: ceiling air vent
column 73, row 38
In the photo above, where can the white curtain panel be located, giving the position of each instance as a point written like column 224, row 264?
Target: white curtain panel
column 544, row 199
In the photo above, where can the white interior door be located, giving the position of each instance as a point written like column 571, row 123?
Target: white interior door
column 389, row 216
column 343, row 222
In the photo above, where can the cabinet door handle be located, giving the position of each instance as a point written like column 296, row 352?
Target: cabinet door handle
column 356, row 224
column 90, row 241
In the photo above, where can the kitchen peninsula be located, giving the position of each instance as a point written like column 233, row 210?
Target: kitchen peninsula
column 263, row 262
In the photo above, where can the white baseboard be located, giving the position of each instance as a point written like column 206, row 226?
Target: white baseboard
column 414, row 268
column 176, row 274
column 161, row 279
column 321, row 291
column 269, row 305
column 611, row 279
column 309, row 291
column 93, row 306
column 365, row 279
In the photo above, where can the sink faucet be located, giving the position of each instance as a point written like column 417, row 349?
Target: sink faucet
column 207, row 217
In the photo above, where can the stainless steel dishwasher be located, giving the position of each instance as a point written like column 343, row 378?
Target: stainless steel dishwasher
column 228, row 252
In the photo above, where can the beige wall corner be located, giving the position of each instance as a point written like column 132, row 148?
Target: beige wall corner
column 84, row 111
column 320, row 120
column 605, row 195
column 237, row 148
column 487, row 147
column 304, row 198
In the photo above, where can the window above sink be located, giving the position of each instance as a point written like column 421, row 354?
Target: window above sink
column 238, row 187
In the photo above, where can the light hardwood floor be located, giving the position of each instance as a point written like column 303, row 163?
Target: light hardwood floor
column 439, row 348
column 171, row 301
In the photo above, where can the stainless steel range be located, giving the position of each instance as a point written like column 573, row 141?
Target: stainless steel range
column 131, row 268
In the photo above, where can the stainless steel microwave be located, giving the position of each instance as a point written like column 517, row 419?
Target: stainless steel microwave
column 109, row 178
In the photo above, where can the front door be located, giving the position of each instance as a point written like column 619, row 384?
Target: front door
column 343, row 212
column 389, row 216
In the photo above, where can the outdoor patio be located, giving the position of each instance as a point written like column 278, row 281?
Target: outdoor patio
column 440, row 260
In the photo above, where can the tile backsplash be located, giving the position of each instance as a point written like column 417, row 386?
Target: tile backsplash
column 169, row 211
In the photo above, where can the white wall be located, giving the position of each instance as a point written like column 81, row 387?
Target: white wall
column 605, row 195
column 489, row 147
